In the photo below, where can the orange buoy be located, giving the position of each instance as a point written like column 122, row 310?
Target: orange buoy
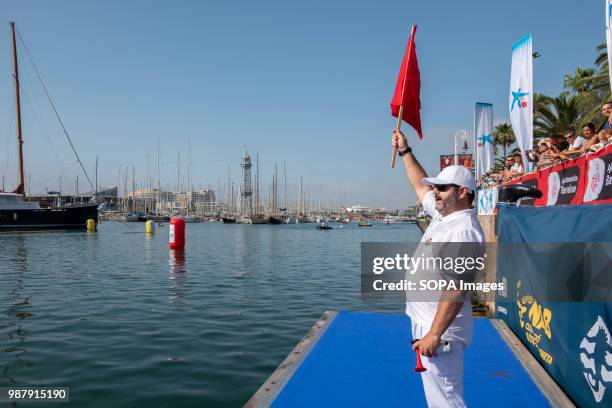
column 177, row 233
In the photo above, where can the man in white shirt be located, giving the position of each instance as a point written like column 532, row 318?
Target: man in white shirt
column 574, row 142
column 444, row 328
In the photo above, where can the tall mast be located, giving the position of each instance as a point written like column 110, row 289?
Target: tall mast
column 125, row 191
column 157, row 201
column 178, row 172
column 301, row 196
column 228, row 190
column 96, row 189
column 133, row 189
column 189, row 189
column 21, row 187
column 285, row 173
column 256, row 187
column 275, row 188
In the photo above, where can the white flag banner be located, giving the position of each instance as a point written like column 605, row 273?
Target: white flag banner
column 521, row 94
column 483, row 129
column 609, row 37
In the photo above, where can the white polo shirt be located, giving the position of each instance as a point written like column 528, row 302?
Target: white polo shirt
column 460, row 226
column 579, row 142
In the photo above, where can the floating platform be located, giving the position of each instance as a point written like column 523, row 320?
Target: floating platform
column 356, row 359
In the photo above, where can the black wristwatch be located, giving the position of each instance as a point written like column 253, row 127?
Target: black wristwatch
column 405, row 151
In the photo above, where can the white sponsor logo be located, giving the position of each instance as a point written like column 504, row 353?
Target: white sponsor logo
column 554, row 185
column 597, row 344
column 171, row 237
column 502, row 310
column 595, row 180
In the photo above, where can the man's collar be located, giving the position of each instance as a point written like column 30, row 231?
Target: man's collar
column 457, row 214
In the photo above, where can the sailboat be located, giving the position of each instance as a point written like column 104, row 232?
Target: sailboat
column 16, row 212
column 274, row 219
column 257, row 217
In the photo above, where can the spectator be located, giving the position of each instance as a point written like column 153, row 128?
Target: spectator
column 592, row 141
column 588, row 131
column 547, row 153
column 606, row 111
column 599, row 141
column 574, row 143
column 517, row 168
column 507, row 173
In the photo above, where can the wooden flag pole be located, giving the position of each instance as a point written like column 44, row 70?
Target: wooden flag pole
column 397, row 128
column 401, row 109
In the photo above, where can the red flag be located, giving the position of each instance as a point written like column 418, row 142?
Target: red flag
column 408, row 88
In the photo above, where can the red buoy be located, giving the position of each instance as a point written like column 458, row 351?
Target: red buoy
column 177, row 233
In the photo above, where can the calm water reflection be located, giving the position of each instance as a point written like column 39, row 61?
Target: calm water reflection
column 124, row 321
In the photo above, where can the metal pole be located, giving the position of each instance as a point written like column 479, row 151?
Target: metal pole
column 464, row 137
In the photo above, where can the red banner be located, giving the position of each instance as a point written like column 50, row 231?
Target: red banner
column 446, row 160
column 585, row 180
column 464, row 159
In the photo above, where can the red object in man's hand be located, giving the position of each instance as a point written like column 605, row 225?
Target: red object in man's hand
column 419, row 365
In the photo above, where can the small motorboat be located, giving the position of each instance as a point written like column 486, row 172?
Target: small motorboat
column 364, row 224
column 324, row 226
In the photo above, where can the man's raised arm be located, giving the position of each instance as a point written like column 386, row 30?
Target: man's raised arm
column 414, row 171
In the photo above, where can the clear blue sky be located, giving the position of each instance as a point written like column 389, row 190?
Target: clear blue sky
column 306, row 82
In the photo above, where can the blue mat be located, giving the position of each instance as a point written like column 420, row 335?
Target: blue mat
column 365, row 360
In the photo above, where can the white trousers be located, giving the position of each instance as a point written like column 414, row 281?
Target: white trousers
column 443, row 380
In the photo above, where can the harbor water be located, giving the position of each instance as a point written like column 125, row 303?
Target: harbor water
column 123, row 321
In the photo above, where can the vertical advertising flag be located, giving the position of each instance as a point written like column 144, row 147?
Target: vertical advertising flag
column 609, row 37
column 483, row 128
column 521, row 94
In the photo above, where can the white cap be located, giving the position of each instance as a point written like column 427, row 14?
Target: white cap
column 458, row 175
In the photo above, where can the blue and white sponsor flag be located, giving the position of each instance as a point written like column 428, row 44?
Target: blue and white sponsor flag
column 483, row 128
column 521, row 94
column 609, row 37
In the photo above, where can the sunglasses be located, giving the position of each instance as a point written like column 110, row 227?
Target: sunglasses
column 444, row 187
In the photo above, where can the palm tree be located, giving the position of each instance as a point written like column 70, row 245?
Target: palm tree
column 499, row 163
column 580, row 82
column 592, row 90
column 553, row 116
column 504, row 136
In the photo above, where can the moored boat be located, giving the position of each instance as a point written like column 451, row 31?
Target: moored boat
column 324, row 226
column 157, row 217
column 245, row 219
column 15, row 211
column 275, row 220
column 259, row 219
